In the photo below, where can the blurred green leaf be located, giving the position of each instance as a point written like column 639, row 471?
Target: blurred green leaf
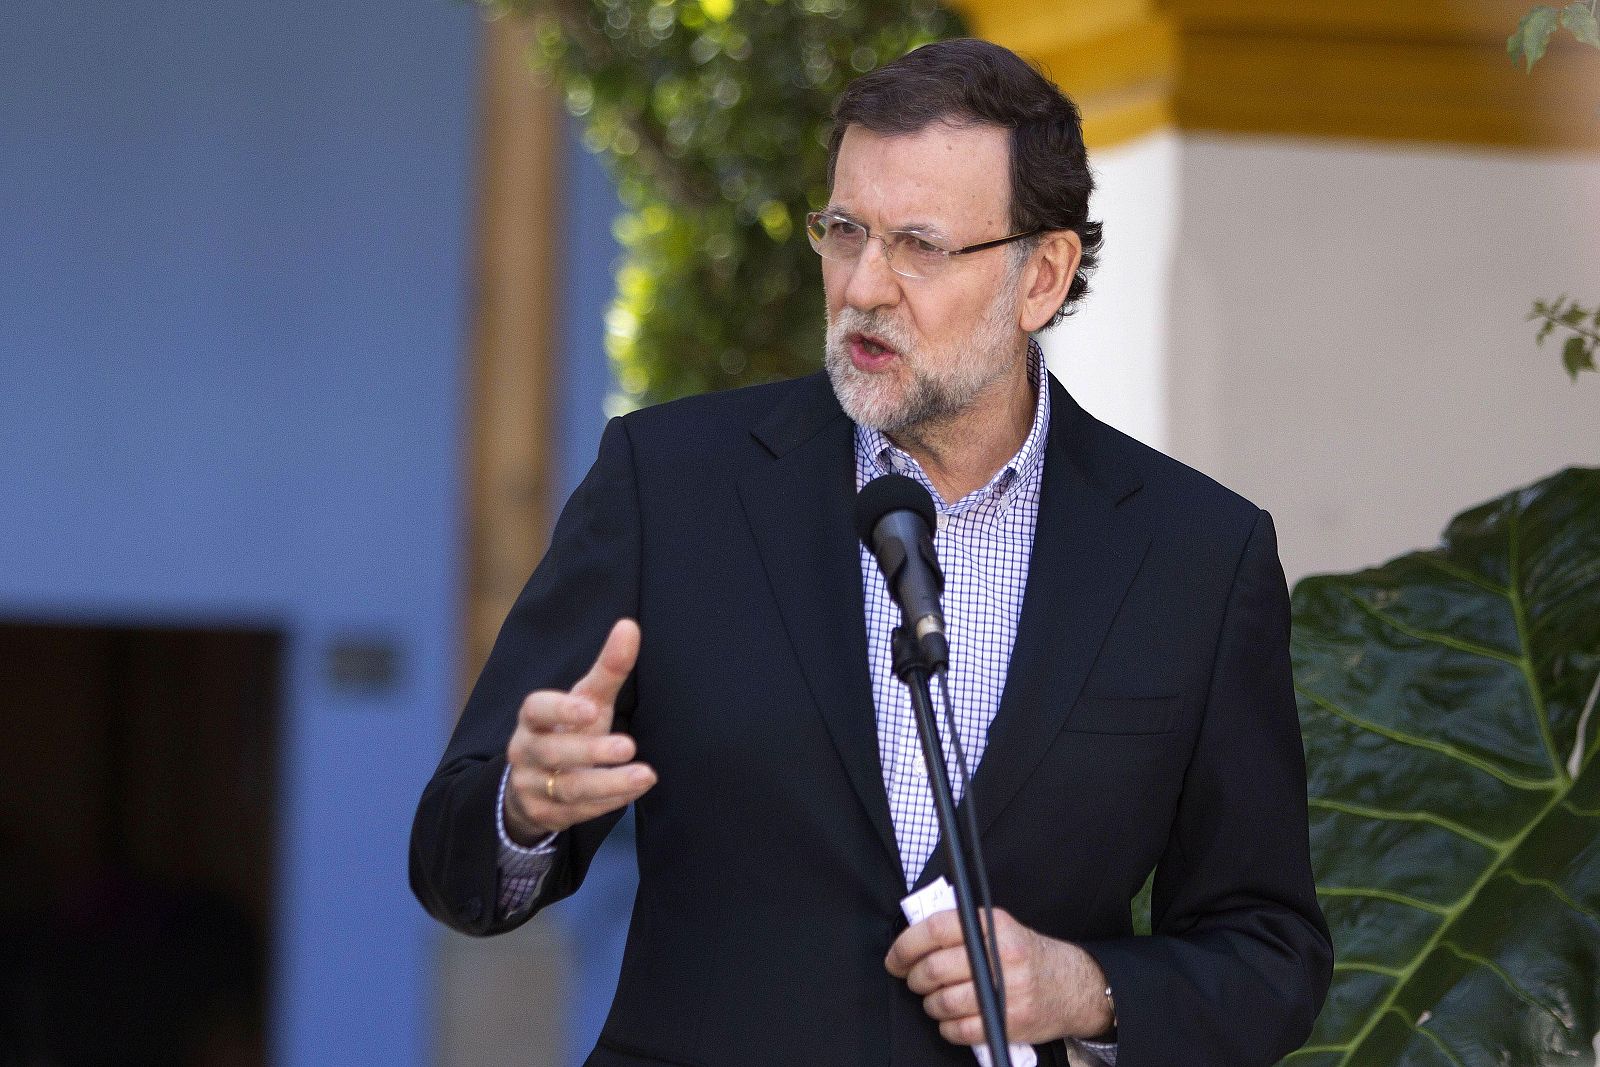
column 1577, row 354
column 1141, row 905
column 1578, row 18
column 1447, row 701
column 1528, row 41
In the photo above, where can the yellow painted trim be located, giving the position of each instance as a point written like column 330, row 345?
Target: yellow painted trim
column 1410, row 70
column 1122, row 80
column 1115, row 58
column 1381, row 20
column 1117, row 122
column 1440, row 92
column 1129, row 58
column 1029, row 27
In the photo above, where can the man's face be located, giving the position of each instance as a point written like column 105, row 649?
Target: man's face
column 906, row 353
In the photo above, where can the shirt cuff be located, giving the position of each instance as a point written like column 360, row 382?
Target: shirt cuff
column 1103, row 1052
column 522, row 869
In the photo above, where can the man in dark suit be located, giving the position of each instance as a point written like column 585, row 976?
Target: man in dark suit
column 1119, row 664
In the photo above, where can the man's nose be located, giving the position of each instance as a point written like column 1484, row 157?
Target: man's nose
column 872, row 283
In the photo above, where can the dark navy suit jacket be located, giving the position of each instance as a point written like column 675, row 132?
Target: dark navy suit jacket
column 1148, row 722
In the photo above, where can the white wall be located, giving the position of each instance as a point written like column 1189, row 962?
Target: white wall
column 1337, row 330
column 1112, row 352
column 1348, row 344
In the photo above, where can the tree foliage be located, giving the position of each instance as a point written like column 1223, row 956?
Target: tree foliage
column 712, row 116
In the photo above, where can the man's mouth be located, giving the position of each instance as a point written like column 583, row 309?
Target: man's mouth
column 869, row 352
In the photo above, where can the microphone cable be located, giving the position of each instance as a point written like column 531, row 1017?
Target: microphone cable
column 991, row 936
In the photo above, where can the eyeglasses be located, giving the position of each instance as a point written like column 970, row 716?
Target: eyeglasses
column 909, row 254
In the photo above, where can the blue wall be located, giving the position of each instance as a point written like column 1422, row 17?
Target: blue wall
column 232, row 252
column 591, row 253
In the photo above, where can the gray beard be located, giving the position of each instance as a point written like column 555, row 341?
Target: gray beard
column 925, row 404
column 928, row 401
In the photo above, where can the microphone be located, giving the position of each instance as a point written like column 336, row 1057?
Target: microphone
column 895, row 520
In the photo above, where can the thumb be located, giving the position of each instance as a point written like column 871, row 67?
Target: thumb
column 612, row 667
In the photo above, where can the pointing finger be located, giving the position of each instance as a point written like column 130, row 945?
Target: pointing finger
column 613, row 665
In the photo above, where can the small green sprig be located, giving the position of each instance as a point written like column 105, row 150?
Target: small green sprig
column 1581, row 324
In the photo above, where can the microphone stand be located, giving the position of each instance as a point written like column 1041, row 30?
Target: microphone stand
column 912, row 669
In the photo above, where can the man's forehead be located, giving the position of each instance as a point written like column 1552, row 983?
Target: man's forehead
column 927, row 180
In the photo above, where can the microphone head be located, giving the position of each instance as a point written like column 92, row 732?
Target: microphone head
column 892, row 492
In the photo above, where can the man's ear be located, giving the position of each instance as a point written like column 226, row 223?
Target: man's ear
column 1047, row 277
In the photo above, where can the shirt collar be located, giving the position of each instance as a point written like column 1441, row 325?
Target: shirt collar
column 884, row 457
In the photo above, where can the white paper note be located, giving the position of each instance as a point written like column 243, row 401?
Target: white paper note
column 931, row 899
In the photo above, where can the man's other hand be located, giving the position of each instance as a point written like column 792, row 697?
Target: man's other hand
column 566, row 764
column 1054, row 989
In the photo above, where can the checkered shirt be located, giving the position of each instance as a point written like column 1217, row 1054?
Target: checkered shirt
column 984, row 542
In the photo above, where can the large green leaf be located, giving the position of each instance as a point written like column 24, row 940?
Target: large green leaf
column 1448, row 704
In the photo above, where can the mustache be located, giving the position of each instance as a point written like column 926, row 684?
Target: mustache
column 885, row 327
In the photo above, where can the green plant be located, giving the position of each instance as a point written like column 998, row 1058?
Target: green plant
column 1528, row 43
column 1581, row 324
column 1532, row 35
column 712, row 116
column 1448, row 704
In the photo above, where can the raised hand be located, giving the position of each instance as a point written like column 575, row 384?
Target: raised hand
column 566, row 764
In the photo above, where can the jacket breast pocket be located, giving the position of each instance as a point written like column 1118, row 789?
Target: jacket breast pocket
column 1124, row 715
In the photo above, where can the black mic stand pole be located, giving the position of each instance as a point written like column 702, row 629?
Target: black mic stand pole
column 912, row 668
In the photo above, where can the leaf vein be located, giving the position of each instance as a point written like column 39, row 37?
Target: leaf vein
column 1386, row 894
column 1433, row 637
column 1439, row 563
column 1553, row 889
column 1494, row 968
column 1368, row 968
column 1520, row 613
column 1403, row 738
column 1392, row 815
column 1430, row 1035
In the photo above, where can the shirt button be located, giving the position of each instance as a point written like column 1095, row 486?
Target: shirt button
column 944, row 520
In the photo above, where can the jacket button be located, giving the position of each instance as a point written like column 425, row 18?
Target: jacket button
column 470, row 910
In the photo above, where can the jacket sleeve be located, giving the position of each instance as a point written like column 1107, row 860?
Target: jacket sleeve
column 1239, row 958
column 587, row 580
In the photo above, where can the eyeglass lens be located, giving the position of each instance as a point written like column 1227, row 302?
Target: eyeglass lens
column 908, row 254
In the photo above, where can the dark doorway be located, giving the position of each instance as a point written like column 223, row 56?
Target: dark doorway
column 137, row 789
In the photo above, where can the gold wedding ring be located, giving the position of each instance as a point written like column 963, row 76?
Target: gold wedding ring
column 550, row 786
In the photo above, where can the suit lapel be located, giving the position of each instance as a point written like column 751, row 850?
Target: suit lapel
column 800, row 512
column 1085, row 555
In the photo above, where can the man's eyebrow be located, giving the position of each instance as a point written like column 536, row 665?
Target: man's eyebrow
column 924, row 229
